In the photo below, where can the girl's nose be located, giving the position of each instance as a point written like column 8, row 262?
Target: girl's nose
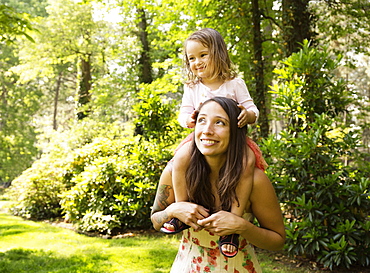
column 198, row 61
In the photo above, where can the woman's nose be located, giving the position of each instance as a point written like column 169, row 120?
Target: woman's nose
column 208, row 129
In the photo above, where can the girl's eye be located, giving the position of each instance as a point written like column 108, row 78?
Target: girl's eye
column 191, row 58
column 220, row 122
column 204, row 55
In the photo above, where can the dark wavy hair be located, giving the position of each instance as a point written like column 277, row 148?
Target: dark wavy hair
column 219, row 64
column 198, row 173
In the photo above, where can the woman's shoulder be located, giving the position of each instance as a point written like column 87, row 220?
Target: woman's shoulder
column 262, row 186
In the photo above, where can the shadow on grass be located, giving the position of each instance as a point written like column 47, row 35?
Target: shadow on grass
column 13, row 226
column 39, row 261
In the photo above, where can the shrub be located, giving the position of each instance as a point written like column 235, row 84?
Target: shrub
column 99, row 177
column 115, row 192
column 325, row 202
column 36, row 191
column 319, row 173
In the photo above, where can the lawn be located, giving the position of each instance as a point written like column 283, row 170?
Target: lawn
column 29, row 246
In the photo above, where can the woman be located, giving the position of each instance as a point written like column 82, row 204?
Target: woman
column 210, row 180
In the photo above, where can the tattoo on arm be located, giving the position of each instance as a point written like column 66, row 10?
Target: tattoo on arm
column 161, row 217
column 161, row 199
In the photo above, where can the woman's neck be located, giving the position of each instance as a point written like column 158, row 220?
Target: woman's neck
column 215, row 163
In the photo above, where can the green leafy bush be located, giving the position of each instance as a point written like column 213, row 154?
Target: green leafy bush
column 99, row 177
column 116, row 187
column 325, row 202
column 319, row 173
column 36, row 191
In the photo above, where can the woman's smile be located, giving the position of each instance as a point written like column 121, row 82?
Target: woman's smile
column 212, row 132
column 208, row 141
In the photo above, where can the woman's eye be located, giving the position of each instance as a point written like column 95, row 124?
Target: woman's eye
column 220, row 122
column 201, row 120
column 204, row 55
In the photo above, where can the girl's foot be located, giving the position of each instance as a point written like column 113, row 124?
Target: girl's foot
column 173, row 226
column 229, row 245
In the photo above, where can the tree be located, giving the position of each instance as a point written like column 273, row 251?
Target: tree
column 18, row 103
column 296, row 24
column 12, row 24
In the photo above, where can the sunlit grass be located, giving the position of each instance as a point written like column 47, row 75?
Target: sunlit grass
column 28, row 246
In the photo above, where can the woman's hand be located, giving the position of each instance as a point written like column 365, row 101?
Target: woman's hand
column 223, row 223
column 188, row 213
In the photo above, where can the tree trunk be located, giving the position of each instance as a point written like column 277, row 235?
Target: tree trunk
column 145, row 63
column 4, row 102
column 296, row 24
column 84, row 95
column 260, row 91
column 56, row 98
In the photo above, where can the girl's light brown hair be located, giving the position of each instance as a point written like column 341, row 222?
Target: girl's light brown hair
column 219, row 65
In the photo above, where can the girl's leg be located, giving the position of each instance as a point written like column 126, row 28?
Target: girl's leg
column 179, row 166
column 243, row 191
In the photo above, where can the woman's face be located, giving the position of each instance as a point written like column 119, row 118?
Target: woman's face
column 198, row 57
column 212, row 130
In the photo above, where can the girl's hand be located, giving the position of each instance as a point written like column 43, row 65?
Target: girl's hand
column 245, row 117
column 190, row 122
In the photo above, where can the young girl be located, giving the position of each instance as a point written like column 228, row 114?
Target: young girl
column 210, row 74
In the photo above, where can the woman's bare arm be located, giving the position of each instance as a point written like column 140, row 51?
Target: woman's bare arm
column 165, row 208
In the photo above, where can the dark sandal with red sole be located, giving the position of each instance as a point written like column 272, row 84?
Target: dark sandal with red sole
column 232, row 239
column 177, row 224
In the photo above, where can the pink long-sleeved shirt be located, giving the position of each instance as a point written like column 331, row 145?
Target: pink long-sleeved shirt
column 235, row 89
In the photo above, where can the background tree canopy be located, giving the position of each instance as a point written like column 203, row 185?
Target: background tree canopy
column 90, row 91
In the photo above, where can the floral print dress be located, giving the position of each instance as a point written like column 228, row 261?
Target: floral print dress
column 199, row 252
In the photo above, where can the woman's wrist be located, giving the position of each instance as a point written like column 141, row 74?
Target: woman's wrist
column 243, row 226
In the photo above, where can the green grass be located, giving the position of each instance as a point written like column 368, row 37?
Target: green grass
column 28, row 246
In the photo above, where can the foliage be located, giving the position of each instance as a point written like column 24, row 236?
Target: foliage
column 98, row 177
column 315, row 165
column 13, row 23
column 155, row 116
column 114, row 181
column 114, row 184
column 309, row 87
column 18, row 104
column 37, row 191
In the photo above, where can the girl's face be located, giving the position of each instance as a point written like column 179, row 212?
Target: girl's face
column 212, row 130
column 198, row 56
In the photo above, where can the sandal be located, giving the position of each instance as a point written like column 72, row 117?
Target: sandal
column 232, row 239
column 177, row 224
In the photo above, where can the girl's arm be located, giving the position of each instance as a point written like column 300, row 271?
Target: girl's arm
column 187, row 106
column 181, row 162
column 245, row 100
